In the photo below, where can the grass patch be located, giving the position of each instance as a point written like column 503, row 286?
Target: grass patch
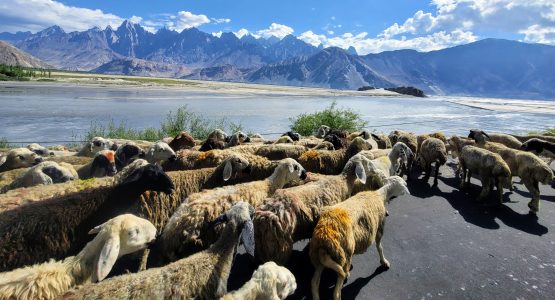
column 548, row 131
column 332, row 116
column 183, row 119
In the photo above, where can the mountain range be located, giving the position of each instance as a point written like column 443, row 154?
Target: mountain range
column 490, row 67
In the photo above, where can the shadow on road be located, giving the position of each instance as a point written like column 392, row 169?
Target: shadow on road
column 482, row 215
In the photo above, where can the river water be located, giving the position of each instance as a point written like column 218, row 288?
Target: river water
column 55, row 113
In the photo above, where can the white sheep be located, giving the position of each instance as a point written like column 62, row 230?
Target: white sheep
column 268, row 282
column 291, row 214
column 530, row 168
column 19, row 158
column 491, row 168
column 40, row 150
column 391, row 163
column 186, row 231
column 160, row 152
column 119, row 236
column 96, row 144
column 45, row 173
column 203, row 275
column 349, row 228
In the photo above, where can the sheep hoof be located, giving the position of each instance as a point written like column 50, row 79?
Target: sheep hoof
column 385, row 264
column 386, row 213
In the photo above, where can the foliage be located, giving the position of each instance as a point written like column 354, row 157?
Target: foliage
column 548, row 131
column 21, row 73
column 4, row 142
column 332, row 116
column 197, row 125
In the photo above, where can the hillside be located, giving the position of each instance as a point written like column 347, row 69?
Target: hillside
column 10, row 55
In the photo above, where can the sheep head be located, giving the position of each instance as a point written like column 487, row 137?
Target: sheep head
column 234, row 164
column 289, row 170
column 100, row 143
column 241, row 215
column 57, row 173
column 127, row 153
column 40, row 150
column 21, row 158
column 150, row 177
column 323, row 131
column 119, row 236
column 395, row 187
column 103, row 164
column 160, row 152
column 533, row 145
column 478, row 135
column 183, row 140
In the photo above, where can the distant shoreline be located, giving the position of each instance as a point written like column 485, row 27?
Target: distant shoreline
column 123, row 81
column 506, row 105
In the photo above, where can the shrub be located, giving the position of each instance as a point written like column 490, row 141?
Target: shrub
column 181, row 120
column 332, row 116
column 4, row 142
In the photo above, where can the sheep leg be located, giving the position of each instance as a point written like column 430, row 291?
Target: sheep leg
column 499, row 187
column 338, row 286
column 427, row 171
column 485, row 188
column 437, row 173
column 383, row 261
column 463, row 178
column 534, row 189
column 315, row 284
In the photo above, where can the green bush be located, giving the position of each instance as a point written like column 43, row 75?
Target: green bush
column 4, row 142
column 181, row 120
column 332, row 116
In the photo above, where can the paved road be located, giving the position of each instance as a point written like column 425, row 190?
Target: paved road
column 441, row 244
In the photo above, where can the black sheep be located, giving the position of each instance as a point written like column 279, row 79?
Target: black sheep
column 58, row 227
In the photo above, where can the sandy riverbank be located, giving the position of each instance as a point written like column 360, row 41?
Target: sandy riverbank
column 505, row 105
column 115, row 81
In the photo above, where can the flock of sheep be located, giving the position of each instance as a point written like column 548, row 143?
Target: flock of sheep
column 140, row 220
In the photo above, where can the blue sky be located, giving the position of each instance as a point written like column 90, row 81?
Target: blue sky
column 368, row 25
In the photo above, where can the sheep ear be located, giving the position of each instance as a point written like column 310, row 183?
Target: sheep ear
column 107, row 258
column 228, row 170
column 247, row 236
column 96, row 229
column 360, row 172
column 375, row 137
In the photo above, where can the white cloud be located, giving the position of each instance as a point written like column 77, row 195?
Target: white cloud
column 35, row 15
column 275, row 29
column 504, row 16
column 217, row 34
column 312, row 38
column 241, row 32
column 330, row 32
column 220, row 21
column 186, row 20
column 538, row 34
column 364, row 45
column 135, row 19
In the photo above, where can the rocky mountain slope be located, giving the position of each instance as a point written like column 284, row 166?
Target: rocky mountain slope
column 10, row 55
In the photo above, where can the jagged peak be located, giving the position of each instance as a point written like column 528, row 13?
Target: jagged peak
column 51, row 30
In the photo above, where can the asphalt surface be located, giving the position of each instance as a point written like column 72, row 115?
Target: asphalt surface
column 442, row 244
